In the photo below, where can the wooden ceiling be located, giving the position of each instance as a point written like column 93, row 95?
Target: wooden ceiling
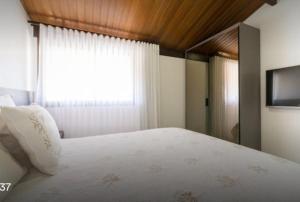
column 174, row 24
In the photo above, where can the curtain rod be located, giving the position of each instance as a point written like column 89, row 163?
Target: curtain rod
column 162, row 50
column 35, row 23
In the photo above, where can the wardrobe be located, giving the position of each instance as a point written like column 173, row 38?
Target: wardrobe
column 223, row 86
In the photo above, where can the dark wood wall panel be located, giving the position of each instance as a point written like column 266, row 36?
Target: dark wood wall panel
column 174, row 24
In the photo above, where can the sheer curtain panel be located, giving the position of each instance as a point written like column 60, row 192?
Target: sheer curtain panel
column 224, row 98
column 94, row 84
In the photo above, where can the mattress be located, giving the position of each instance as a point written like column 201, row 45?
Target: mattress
column 161, row 165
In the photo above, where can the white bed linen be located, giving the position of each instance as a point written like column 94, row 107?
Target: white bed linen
column 162, row 165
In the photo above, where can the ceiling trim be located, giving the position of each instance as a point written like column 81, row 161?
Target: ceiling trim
column 171, row 53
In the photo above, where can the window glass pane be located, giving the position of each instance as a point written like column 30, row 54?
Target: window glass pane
column 82, row 76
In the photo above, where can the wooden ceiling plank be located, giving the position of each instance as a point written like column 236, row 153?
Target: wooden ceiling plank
column 206, row 23
column 220, row 22
column 174, row 24
column 166, row 14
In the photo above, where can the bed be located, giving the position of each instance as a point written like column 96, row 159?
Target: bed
column 161, row 165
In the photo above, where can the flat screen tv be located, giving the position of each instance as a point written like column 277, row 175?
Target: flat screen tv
column 283, row 87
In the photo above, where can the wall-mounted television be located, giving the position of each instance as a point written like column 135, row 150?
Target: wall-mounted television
column 283, row 87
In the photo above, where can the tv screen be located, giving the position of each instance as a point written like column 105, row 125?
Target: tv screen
column 283, row 86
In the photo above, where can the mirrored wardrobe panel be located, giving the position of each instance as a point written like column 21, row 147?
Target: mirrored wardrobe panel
column 216, row 84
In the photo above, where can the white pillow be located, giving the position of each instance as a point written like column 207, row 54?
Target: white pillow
column 10, row 171
column 37, row 133
column 5, row 100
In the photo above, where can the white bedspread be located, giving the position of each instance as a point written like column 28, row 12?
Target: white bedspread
column 162, row 165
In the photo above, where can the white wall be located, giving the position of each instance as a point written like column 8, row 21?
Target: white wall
column 280, row 47
column 16, row 46
column 172, row 92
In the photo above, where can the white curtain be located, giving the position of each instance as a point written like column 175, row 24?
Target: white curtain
column 224, row 98
column 94, row 84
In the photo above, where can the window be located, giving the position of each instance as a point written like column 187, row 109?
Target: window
column 85, row 77
column 95, row 84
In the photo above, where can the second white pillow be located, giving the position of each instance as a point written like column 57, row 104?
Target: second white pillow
column 5, row 100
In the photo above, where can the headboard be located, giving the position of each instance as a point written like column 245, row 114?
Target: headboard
column 20, row 97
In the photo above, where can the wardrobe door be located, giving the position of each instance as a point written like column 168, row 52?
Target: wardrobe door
column 196, row 95
column 249, row 87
